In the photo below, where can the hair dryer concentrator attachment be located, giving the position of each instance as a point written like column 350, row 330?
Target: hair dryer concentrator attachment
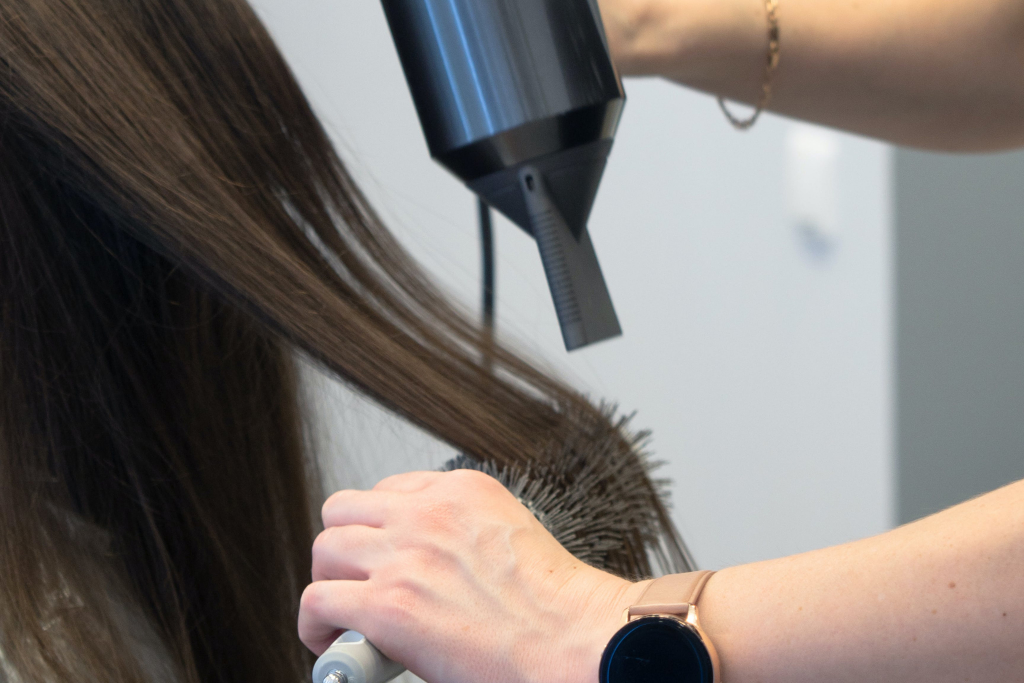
column 582, row 302
column 353, row 659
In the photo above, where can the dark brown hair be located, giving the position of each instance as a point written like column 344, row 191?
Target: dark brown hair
column 174, row 225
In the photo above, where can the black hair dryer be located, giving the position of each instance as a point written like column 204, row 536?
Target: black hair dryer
column 519, row 99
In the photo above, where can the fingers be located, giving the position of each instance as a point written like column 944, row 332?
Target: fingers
column 372, row 508
column 348, row 552
column 366, row 508
column 327, row 609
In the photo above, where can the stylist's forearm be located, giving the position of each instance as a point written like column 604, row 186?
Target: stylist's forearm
column 938, row 75
column 938, row 601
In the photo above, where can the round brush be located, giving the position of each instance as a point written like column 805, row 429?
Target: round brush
column 592, row 492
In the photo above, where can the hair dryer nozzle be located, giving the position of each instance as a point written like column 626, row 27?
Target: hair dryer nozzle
column 582, row 302
column 550, row 198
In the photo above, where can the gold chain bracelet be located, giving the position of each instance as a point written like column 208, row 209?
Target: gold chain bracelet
column 772, row 65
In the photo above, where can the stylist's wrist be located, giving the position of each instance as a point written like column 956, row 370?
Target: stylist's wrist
column 627, row 25
column 671, row 38
column 713, row 45
column 599, row 621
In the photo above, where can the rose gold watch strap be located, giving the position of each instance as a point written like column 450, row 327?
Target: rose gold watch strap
column 671, row 594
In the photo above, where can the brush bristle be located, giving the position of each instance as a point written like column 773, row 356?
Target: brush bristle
column 594, row 493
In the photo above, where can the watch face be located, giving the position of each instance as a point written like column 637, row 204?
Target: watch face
column 656, row 650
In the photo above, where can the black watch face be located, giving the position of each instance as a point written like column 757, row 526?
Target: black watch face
column 656, row 650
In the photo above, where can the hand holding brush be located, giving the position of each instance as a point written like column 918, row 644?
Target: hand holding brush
column 427, row 558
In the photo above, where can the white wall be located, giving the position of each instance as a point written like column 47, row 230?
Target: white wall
column 762, row 364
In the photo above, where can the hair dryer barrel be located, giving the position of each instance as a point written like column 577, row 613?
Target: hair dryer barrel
column 501, row 85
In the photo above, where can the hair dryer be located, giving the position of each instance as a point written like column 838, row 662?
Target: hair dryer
column 519, row 99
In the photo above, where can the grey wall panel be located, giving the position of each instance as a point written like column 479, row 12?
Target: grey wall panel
column 960, row 327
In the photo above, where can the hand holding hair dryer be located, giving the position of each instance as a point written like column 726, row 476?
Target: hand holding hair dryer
column 519, row 99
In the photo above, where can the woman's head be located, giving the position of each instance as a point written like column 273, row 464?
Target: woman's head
column 173, row 224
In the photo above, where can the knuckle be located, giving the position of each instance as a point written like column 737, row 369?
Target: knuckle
column 312, row 601
column 469, row 477
column 392, row 481
column 401, row 600
column 322, row 544
column 430, row 559
column 476, row 481
column 334, row 500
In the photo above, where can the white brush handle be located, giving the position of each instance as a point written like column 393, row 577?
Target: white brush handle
column 353, row 659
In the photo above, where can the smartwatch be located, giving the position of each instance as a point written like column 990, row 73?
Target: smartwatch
column 662, row 641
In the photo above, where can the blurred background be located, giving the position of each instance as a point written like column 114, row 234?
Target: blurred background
column 826, row 335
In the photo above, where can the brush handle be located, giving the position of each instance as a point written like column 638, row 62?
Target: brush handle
column 353, row 659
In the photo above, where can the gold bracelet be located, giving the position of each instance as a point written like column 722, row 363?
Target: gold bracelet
column 772, row 65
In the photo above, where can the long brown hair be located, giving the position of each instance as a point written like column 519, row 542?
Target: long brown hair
column 174, row 224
